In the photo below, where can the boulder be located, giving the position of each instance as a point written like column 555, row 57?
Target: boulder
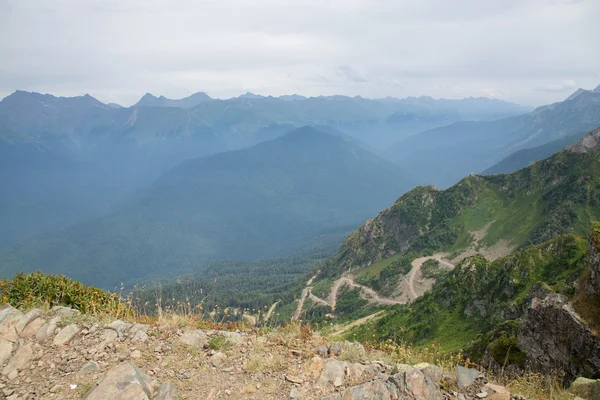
column 295, row 394
column 60, row 310
column 123, row 382
column 19, row 361
column 9, row 319
column 232, row 337
column 334, row 372
column 109, row 335
column 193, row 338
column 88, row 367
column 33, row 327
column 166, row 391
column 335, row 349
column 553, row 336
column 217, row 359
column 6, row 348
column 121, row 327
column 47, row 330
column 465, row 377
column 140, row 336
column 27, row 319
column 377, row 389
column 65, row 335
column 588, row 389
column 322, row 351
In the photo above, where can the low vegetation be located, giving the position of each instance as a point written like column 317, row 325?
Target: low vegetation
column 43, row 290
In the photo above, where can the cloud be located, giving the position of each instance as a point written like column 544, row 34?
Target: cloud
column 564, row 86
column 118, row 50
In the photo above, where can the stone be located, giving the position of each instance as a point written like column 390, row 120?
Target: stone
column 166, row 391
column 109, row 335
column 193, row 338
column 233, row 337
column 295, row 394
column 6, row 349
column 482, row 395
column 9, row 319
column 496, row 392
column 335, row 349
column 322, row 351
column 434, row 372
column 65, row 335
column 47, row 330
column 33, row 327
column 90, row 366
column 140, row 336
column 586, row 388
column 121, row 327
column 465, row 377
column 554, row 337
column 20, row 360
column 294, row 379
column 377, row 389
column 123, row 382
column 136, row 354
column 60, row 310
column 333, row 373
column 217, row 359
column 27, row 319
column 138, row 328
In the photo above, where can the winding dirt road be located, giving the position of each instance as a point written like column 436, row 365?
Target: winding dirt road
column 407, row 285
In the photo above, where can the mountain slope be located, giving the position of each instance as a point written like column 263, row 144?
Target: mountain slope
column 443, row 155
column 234, row 205
column 523, row 158
column 558, row 195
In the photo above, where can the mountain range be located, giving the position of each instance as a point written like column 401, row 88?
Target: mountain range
column 443, row 155
column 235, row 205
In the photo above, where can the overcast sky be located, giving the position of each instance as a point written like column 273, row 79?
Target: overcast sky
column 528, row 51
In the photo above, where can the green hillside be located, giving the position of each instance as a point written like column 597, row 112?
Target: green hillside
column 556, row 196
column 240, row 205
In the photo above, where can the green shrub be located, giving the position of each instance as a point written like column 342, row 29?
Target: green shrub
column 220, row 343
column 37, row 289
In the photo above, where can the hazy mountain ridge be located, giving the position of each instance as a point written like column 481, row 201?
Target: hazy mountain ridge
column 241, row 204
column 443, row 155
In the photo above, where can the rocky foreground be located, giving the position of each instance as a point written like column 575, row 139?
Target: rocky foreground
column 62, row 354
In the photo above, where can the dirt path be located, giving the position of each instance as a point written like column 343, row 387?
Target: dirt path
column 271, row 309
column 424, row 283
column 358, row 322
column 305, row 292
column 411, row 287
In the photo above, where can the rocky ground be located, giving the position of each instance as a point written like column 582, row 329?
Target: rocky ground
column 61, row 354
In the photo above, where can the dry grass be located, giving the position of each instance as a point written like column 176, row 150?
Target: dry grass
column 271, row 363
column 537, row 386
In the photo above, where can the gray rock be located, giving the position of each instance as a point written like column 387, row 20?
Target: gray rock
column 553, row 336
column 465, row 377
column 33, row 327
column 333, row 373
column 232, row 337
column 377, row 389
column 65, row 335
column 140, row 336
column 193, row 338
column 138, row 328
column 60, row 310
column 586, row 388
column 123, row 382
column 166, row 391
column 6, row 349
column 295, row 394
column 217, row 359
column 121, row 327
column 322, row 351
column 19, row 361
column 109, row 335
column 27, row 319
column 47, row 330
column 88, row 367
column 9, row 319
column 335, row 349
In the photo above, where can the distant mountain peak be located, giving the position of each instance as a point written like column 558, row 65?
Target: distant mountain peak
column 575, row 94
column 250, row 95
column 149, row 100
column 589, row 142
column 597, row 90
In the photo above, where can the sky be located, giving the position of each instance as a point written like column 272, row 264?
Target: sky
column 531, row 52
